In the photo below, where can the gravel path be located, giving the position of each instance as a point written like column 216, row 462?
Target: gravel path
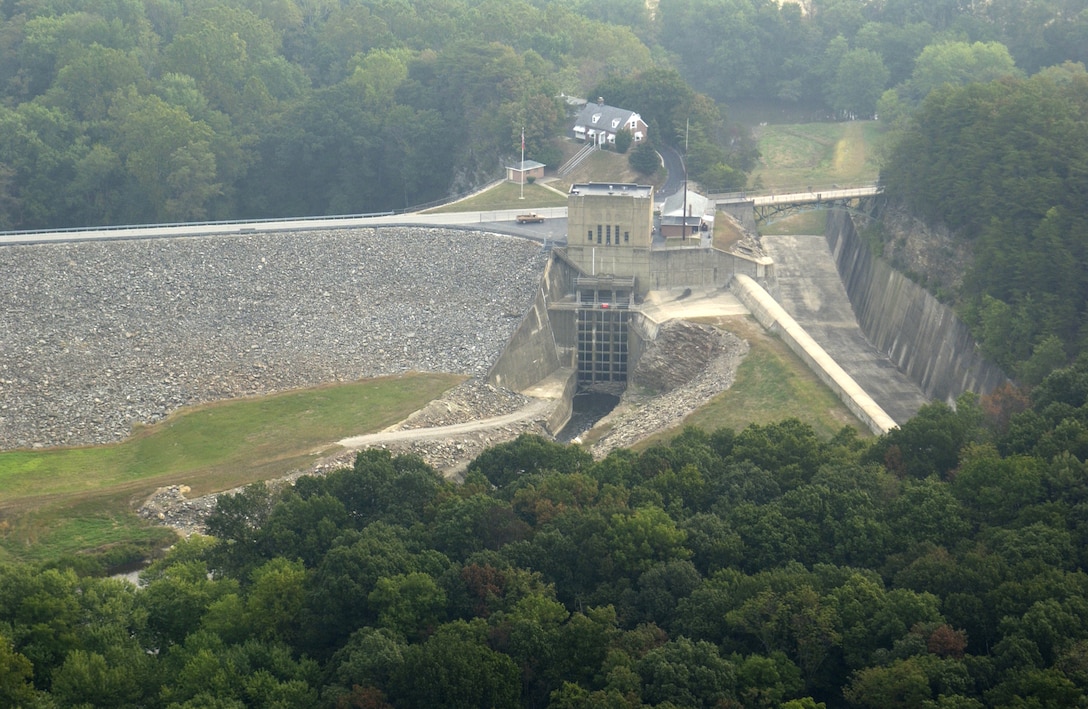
column 95, row 337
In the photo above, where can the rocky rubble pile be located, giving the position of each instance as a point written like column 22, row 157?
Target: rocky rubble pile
column 98, row 336
column 473, row 400
column 710, row 359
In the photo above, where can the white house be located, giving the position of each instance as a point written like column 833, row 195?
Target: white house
column 598, row 123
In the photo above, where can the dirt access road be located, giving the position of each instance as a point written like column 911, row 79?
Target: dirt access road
column 532, row 411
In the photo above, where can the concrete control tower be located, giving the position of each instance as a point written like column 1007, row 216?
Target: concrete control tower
column 609, row 233
column 610, row 229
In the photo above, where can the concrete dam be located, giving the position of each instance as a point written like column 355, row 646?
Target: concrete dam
column 183, row 321
column 894, row 340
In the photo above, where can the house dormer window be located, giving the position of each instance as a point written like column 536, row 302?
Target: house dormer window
column 615, row 122
column 596, row 117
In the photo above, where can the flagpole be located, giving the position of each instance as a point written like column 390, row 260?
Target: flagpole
column 522, row 163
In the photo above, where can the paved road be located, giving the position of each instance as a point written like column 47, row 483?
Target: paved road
column 674, row 165
column 810, row 290
column 502, row 220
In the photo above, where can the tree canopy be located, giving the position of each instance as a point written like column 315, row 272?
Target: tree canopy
column 172, row 110
column 1005, row 165
column 939, row 565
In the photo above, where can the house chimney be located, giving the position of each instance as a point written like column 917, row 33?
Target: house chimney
column 600, row 100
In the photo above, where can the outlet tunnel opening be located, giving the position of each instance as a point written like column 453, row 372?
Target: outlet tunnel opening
column 589, row 407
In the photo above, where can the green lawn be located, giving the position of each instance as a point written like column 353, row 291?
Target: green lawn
column 813, row 222
column 817, row 154
column 67, row 500
column 506, row 195
column 772, row 384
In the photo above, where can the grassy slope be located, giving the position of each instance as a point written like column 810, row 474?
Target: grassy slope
column 817, row 154
column 73, row 499
column 772, row 384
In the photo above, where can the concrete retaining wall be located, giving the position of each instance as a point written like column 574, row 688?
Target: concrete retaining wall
column 774, row 318
column 564, row 407
column 531, row 354
column 699, row 267
column 921, row 336
column 641, row 332
column 742, row 211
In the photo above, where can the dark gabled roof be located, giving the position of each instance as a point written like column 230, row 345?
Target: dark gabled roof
column 607, row 114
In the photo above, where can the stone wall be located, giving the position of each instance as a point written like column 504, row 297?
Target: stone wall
column 921, row 336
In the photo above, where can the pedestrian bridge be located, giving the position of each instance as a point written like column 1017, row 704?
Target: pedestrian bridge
column 774, row 205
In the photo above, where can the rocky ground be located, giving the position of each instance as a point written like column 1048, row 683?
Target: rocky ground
column 685, row 367
column 98, row 336
column 930, row 252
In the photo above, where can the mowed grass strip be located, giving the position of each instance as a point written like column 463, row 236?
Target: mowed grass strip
column 772, row 384
column 506, row 195
column 795, row 157
column 814, row 222
column 225, row 435
column 74, row 499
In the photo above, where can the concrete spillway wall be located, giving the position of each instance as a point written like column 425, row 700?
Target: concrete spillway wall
column 543, row 345
column 921, row 336
column 774, row 318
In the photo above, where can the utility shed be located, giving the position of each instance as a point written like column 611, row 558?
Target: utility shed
column 521, row 171
column 682, row 217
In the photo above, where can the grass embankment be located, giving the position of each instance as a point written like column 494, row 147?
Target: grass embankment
column 601, row 166
column 814, row 222
column 64, row 501
column 795, row 157
column 772, row 384
column 506, row 195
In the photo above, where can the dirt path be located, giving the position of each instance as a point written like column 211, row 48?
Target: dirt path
column 532, row 411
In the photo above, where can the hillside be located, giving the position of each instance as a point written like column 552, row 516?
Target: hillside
column 996, row 173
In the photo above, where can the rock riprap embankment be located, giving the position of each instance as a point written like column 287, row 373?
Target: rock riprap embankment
column 98, row 336
column 685, row 367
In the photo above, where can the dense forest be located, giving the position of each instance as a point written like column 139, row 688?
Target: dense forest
column 941, row 565
column 130, row 111
column 133, row 111
column 1004, row 164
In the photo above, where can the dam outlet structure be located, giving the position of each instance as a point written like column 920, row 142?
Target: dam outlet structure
column 586, row 329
